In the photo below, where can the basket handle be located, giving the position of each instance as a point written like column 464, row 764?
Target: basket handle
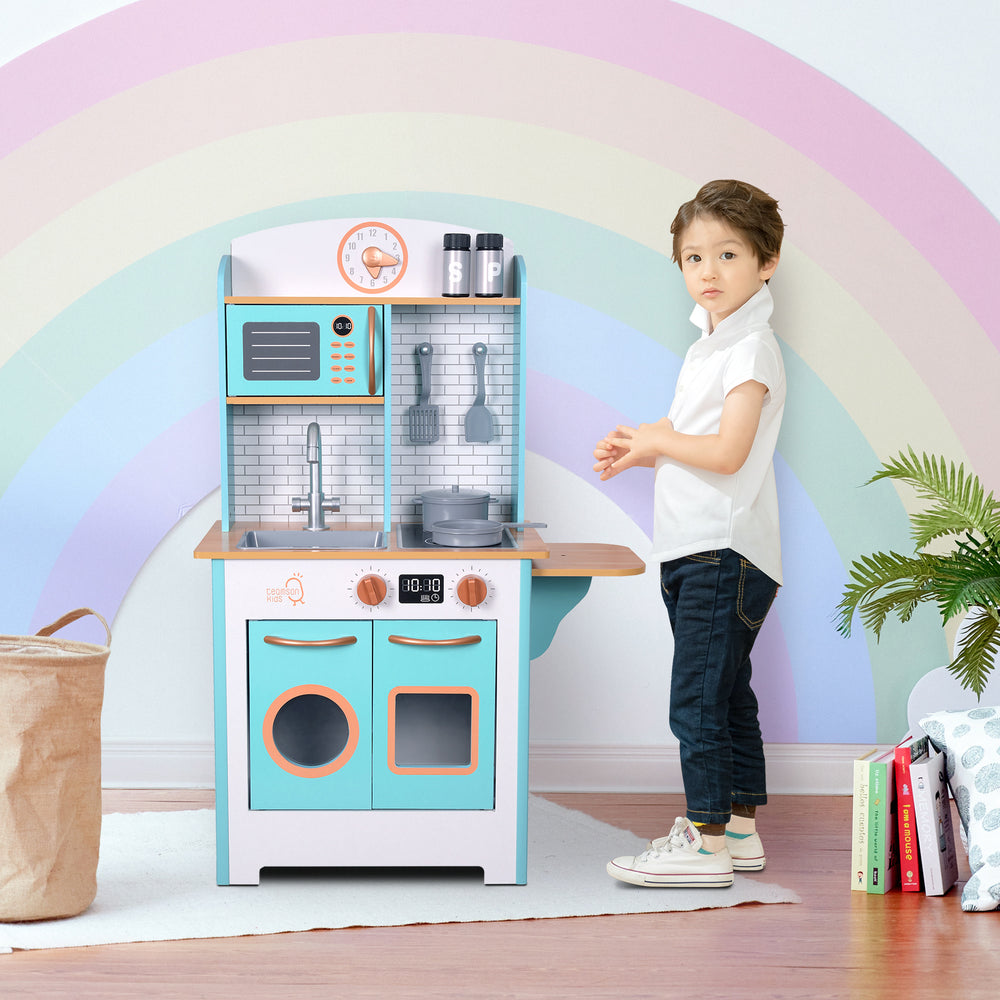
column 72, row 616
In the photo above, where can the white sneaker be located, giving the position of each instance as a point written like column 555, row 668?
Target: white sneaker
column 747, row 851
column 678, row 860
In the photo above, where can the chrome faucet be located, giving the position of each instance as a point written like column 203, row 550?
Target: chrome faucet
column 316, row 504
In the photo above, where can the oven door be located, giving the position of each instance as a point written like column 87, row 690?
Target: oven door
column 433, row 714
column 304, row 350
column 310, row 714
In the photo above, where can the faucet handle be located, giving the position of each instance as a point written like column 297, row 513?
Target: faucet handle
column 299, row 504
column 330, row 504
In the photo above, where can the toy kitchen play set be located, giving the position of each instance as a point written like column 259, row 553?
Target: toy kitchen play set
column 377, row 596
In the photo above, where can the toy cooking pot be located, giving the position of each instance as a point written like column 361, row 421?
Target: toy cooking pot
column 452, row 503
column 474, row 532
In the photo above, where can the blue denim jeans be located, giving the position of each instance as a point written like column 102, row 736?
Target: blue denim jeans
column 717, row 602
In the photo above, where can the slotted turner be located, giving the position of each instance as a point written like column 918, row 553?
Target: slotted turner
column 479, row 420
column 424, row 415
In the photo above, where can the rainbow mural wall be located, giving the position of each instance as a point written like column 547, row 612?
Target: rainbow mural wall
column 136, row 146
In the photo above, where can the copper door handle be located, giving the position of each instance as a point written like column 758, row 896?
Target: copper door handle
column 465, row 640
column 371, row 350
column 277, row 640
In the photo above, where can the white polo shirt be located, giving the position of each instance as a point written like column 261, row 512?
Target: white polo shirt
column 695, row 510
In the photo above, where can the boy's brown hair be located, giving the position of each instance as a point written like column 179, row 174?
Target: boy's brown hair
column 750, row 211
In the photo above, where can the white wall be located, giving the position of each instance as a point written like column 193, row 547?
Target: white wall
column 926, row 66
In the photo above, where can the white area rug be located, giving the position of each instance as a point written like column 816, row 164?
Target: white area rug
column 156, row 882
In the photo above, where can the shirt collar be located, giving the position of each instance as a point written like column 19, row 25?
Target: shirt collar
column 756, row 309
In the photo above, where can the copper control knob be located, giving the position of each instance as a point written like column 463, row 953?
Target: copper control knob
column 472, row 590
column 371, row 590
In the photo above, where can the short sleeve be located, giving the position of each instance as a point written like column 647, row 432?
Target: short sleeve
column 753, row 359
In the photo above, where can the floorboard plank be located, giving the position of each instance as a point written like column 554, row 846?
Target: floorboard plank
column 836, row 943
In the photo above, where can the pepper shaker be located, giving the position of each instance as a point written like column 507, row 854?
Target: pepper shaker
column 489, row 264
column 457, row 265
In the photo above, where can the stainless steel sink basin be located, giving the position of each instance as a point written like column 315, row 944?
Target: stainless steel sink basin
column 299, row 539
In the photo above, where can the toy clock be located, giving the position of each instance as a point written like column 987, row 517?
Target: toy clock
column 372, row 257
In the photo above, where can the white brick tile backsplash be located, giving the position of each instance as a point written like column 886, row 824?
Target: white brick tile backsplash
column 267, row 442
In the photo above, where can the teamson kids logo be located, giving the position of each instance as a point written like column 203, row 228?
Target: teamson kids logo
column 293, row 592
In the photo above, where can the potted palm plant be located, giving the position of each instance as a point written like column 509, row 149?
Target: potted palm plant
column 955, row 564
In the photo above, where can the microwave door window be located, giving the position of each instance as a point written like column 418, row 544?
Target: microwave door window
column 276, row 352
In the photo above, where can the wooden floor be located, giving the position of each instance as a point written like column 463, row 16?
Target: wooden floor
column 836, row 943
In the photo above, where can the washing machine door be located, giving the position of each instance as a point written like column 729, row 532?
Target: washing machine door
column 310, row 714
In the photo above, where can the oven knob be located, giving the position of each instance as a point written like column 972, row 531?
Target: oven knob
column 371, row 590
column 472, row 591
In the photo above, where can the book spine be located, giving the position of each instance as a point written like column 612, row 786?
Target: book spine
column 909, row 848
column 859, row 836
column 877, row 852
column 932, row 809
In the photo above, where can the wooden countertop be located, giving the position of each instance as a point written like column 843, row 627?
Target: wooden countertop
column 556, row 559
column 588, row 559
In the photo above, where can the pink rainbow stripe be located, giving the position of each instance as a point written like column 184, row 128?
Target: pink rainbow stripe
column 814, row 115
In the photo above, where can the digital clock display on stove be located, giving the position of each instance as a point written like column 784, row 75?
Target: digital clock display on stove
column 421, row 588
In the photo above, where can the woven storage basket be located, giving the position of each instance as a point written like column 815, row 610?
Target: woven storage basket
column 51, row 693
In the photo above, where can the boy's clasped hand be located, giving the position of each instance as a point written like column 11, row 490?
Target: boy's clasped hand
column 626, row 447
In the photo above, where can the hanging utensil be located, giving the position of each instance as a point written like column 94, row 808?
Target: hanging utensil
column 424, row 427
column 479, row 420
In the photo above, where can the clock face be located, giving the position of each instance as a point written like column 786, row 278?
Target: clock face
column 372, row 257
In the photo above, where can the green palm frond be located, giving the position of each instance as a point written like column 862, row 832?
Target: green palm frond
column 980, row 645
column 968, row 578
column 885, row 583
column 959, row 504
column 963, row 579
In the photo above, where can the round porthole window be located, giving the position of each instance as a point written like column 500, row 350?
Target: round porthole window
column 310, row 731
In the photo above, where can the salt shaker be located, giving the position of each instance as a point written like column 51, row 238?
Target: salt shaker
column 489, row 264
column 457, row 267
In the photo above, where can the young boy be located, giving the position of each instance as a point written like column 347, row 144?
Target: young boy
column 715, row 530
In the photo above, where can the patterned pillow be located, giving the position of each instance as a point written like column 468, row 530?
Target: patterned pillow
column 971, row 742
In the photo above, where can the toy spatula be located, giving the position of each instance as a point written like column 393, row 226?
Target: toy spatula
column 479, row 420
column 424, row 415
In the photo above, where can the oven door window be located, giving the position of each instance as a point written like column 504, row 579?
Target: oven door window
column 433, row 730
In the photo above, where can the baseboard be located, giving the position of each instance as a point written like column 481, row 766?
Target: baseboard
column 792, row 768
column 147, row 764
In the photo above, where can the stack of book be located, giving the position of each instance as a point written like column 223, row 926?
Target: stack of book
column 902, row 829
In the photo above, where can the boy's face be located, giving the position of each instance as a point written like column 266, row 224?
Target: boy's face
column 720, row 268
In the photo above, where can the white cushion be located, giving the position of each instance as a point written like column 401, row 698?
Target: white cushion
column 970, row 741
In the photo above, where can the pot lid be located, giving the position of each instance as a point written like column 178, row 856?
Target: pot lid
column 454, row 493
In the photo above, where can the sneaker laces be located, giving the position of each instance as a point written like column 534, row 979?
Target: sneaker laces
column 673, row 841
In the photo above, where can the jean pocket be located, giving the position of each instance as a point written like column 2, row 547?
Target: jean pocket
column 756, row 594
